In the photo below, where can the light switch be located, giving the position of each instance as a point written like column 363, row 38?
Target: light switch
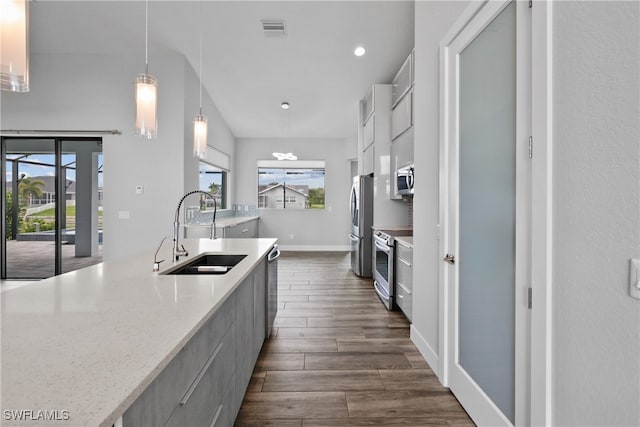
column 139, row 189
column 123, row 214
column 634, row 278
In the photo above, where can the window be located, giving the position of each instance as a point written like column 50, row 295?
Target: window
column 290, row 184
column 214, row 181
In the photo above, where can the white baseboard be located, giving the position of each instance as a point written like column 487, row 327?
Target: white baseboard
column 315, row 248
column 430, row 356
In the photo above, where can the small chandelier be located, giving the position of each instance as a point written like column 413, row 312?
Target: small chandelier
column 146, row 92
column 200, row 121
column 14, row 45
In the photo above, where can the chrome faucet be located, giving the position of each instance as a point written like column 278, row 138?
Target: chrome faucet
column 179, row 250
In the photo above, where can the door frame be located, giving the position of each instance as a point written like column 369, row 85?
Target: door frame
column 539, row 390
column 473, row 20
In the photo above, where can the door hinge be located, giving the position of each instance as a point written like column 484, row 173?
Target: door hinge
column 531, row 147
column 530, row 4
column 529, row 298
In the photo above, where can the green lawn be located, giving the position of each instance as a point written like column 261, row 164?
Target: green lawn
column 71, row 211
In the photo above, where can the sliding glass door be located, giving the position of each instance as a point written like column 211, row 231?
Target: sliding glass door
column 51, row 192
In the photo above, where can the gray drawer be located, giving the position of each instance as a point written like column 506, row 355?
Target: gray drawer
column 205, row 395
column 404, row 300
column 404, row 274
column 404, row 252
column 156, row 404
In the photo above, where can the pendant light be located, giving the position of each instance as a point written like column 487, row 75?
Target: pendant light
column 14, row 45
column 200, row 121
column 146, row 91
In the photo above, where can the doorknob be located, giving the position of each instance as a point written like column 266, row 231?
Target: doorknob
column 451, row 259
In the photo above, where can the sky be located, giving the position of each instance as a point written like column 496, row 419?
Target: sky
column 45, row 169
column 314, row 178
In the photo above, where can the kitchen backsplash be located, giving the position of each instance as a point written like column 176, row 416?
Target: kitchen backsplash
column 409, row 201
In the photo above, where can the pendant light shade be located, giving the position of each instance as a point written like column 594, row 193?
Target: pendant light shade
column 146, row 98
column 14, row 45
column 146, row 91
column 200, row 136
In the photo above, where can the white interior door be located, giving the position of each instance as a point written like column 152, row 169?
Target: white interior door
column 487, row 218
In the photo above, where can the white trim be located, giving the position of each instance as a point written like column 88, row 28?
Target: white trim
column 427, row 352
column 315, row 248
column 542, row 211
column 522, row 380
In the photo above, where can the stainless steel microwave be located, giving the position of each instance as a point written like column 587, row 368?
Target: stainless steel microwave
column 404, row 180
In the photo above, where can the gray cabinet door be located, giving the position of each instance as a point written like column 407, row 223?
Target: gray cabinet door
column 200, row 401
column 259, row 307
column 244, row 334
column 161, row 398
column 247, row 229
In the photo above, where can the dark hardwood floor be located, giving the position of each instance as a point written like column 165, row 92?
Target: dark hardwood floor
column 337, row 357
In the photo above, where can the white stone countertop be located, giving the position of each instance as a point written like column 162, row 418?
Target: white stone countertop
column 87, row 343
column 224, row 222
column 406, row 240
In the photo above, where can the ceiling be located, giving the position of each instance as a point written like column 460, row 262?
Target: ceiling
column 247, row 74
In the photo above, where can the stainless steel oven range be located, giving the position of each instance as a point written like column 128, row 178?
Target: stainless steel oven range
column 383, row 261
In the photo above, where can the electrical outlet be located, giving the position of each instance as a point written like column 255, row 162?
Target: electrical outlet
column 139, row 189
column 634, row 278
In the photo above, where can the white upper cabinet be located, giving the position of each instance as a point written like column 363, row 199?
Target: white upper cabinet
column 402, row 99
column 402, row 116
column 369, row 132
column 402, row 82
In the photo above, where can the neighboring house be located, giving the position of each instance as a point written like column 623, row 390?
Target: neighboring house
column 281, row 195
column 48, row 191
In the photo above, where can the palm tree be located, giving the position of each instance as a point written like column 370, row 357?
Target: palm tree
column 30, row 187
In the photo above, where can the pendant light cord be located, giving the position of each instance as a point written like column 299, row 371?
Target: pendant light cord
column 200, row 53
column 146, row 37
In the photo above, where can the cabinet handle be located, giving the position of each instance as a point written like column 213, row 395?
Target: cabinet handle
column 245, row 230
column 404, row 288
column 408, row 264
column 216, row 416
column 195, row 382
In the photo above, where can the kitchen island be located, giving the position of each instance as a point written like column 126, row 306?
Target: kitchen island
column 81, row 348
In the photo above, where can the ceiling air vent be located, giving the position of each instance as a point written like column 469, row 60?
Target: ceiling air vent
column 273, row 28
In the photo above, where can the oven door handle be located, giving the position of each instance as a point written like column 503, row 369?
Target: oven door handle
column 384, row 248
column 382, row 291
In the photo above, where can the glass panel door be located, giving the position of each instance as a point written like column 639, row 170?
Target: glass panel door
column 487, row 202
column 30, row 215
column 81, row 215
column 52, row 198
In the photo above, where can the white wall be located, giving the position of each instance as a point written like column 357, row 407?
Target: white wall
column 96, row 92
column 219, row 135
column 326, row 229
column 433, row 20
column 596, row 167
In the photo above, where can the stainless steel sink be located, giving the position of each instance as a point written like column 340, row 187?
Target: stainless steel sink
column 208, row 264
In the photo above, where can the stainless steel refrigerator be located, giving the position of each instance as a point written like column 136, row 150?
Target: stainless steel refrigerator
column 361, row 207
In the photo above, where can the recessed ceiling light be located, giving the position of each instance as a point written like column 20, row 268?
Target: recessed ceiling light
column 285, row 105
column 359, row 51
